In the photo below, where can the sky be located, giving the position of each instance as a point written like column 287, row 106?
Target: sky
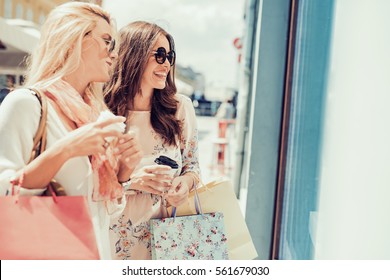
column 204, row 31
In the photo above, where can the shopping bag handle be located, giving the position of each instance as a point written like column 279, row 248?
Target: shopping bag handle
column 198, row 205
column 19, row 182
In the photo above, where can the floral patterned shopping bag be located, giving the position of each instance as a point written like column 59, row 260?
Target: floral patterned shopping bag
column 195, row 237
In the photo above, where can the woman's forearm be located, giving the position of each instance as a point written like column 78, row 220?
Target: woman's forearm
column 124, row 173
column 39, row 172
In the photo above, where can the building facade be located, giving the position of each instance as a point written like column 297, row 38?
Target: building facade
column 20, row 21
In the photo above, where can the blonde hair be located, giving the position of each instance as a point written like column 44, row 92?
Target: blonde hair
column 59, row 50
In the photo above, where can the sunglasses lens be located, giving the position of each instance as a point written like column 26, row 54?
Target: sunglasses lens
column 160, row 55
column 112, row 46
column 171, row 57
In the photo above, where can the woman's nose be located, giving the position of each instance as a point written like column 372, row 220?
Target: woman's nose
column 114, row 55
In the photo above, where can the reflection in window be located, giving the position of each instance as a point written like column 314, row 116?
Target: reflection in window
column 3, row 80
column 19, row 11
column 309, row 82
column 42, row 18
column 21, row 79
column 29, row 14
column 8, row 8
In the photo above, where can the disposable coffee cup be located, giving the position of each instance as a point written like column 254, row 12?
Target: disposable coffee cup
column 149, row 160
column 164, row 160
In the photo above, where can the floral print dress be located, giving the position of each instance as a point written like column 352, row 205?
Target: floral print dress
column 130, row 234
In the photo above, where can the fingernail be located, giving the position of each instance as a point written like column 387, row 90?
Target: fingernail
column 127, row 159
column 121, row 141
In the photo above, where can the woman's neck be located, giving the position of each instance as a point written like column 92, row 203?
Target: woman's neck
column 143, row 100
column 75, row 82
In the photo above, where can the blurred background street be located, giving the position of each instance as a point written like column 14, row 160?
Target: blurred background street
column 213, row 167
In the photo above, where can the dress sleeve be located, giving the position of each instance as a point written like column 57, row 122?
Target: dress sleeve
column 19, row 118
column 189, row 139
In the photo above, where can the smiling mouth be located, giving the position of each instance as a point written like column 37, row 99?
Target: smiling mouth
column 161, row 75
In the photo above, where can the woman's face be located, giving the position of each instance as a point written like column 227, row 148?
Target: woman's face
column 155, row 75
column 96, row 58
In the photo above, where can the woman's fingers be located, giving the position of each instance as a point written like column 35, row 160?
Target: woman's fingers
column 109, row 133
column 152, row 186
column 107, row 122
column 162, row 179
column 91, row 139
column 127, row 149
column 156, row 169
column 178, row 194
column 132, row 160
column 127, row 138
column 151, row 190
column 108, row 128
column 176, row 182
column 160, row 186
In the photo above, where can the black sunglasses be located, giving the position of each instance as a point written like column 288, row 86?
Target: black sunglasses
column 161, row 55
column 110, row 44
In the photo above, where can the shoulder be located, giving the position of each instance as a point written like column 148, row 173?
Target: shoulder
column 22, row 98
column 183, row 101
column 185, row 108
column 20, row 104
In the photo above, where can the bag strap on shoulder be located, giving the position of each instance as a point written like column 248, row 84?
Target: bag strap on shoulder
column 39, row 143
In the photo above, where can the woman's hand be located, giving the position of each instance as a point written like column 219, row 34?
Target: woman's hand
column 152, row 179
column 84, row 141
column 89, row 139
column 181, row 186
column 129, row 153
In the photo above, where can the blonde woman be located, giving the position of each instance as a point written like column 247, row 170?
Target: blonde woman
column 76, row 51
column 143, row 89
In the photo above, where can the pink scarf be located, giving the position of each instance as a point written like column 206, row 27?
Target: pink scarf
column 106, row 186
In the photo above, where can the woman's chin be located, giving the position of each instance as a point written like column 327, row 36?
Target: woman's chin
column 102, row 79
column 160, row 86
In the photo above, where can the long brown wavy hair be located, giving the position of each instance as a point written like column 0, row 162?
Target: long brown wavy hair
column 136, row 43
